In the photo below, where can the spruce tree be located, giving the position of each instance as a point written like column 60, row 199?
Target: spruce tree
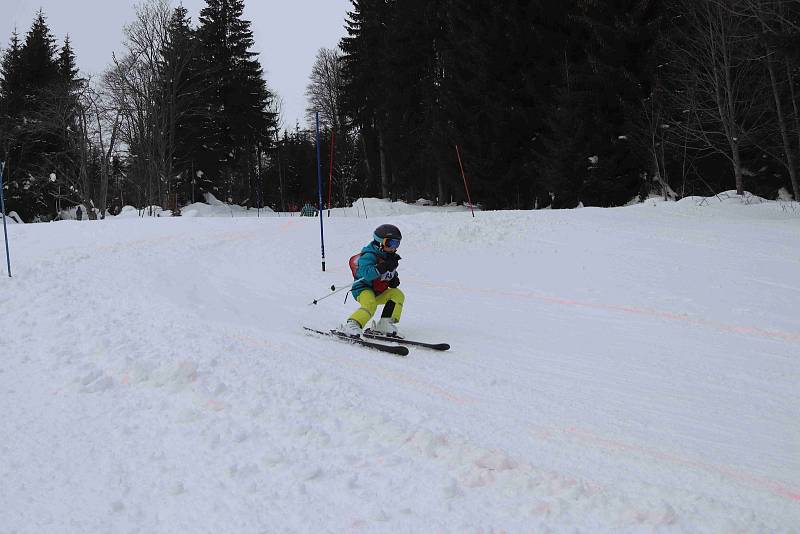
column 29, row 139
column 499, row 62
column 67, row 69
column 184, row 93
column 12, row 100
column 39, row 64
column 239, row 99
column 366, row 76
column 364, row 65
column 618, row 38
column 12, row 91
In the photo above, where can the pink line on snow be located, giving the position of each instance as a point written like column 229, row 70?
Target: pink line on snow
column 671, row 316
column 762, row 483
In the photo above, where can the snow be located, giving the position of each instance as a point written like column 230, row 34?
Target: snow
column 612, row 370
column 13, row 218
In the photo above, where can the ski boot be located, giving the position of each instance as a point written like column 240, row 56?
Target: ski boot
column 350, row 328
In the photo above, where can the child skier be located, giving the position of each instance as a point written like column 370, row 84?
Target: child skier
column 375, row 271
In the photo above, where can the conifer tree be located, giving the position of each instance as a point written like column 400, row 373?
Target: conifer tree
column 363, row 63
column 12, row 101
column 67, row 69
column 366, row 74
column 12, row 92
column 184, row 89
column 239, row 99
column 30, row 80
column 39, row 64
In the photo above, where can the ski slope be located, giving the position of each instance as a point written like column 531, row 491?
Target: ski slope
column 612, row 370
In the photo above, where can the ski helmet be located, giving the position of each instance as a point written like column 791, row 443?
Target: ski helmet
column 387, row 236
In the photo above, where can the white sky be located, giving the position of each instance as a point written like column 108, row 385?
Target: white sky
column 287, row 34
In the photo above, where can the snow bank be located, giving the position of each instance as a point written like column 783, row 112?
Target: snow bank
column 13, row 217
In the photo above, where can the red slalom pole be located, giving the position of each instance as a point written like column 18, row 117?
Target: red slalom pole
column 330, row 173
column 464, row 176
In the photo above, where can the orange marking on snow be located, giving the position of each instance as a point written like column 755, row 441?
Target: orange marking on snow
column 216, row 405
column 761, row 483
column 793, row 337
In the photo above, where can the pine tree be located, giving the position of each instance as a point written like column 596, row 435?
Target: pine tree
column 239, row 116
column 366, row 75
column 499, row 62
column 12, row 92
column 184, row 91
column 67, row 69
column 363, row 64
column 619, row 38
column 12, row 100
column 40, row 68
column 30, row 76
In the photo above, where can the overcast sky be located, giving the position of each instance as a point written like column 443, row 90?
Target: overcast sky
column 287, row 33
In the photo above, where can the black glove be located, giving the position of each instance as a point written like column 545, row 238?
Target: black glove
column 394, row 282
column 389, row 264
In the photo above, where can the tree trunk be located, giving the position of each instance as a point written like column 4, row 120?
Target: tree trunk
column 787, row 145
column 384, row 174
column 737, row 168
column 793, row 96
column 367, row 166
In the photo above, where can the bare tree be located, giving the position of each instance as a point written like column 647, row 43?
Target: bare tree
column 718, row 80
column 106, row 121
column 325, row 90
column 87, row 123
column 773, row 18
column 135, row 85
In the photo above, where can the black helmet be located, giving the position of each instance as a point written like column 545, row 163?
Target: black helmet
column 388, row 236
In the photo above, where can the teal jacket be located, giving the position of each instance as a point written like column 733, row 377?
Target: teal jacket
column 371, row 256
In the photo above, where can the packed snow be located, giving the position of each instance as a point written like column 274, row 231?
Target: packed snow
column 612, row 370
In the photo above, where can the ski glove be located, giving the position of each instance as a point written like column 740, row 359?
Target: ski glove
column 387, row 265
column 395, row 281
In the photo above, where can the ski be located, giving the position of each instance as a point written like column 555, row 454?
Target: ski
column 371, row 334
column 391, row 349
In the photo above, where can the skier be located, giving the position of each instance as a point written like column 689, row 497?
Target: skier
column 375, row 271
column 308, row 210
column 79, row 213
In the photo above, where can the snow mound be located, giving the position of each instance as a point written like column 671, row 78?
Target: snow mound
column 13, row 217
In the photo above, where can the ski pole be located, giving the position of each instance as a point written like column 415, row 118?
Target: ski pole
column 3, row 215
column 334, row 291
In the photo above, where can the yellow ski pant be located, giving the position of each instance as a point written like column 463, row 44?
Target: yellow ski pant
column 392, row 297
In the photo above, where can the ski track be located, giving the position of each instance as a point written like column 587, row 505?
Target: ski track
column 157, row 379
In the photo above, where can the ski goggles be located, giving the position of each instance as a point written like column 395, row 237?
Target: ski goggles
column 390, row 243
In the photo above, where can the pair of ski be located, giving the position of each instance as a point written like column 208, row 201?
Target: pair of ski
column 370, row 339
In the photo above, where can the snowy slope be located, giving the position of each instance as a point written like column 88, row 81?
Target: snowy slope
column 630, row 369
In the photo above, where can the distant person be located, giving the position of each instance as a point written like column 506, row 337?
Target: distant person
column 79, row 213
column 308, row 210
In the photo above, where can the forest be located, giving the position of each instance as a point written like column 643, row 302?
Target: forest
column 552, row 104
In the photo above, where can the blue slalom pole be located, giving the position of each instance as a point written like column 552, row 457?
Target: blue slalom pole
column 319, row 192
column 3, row 212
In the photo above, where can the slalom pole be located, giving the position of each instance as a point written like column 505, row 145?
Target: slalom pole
column 319, row 196
column 3, row 213
column 334, row 291
column 464, row 176
column 330, row 173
